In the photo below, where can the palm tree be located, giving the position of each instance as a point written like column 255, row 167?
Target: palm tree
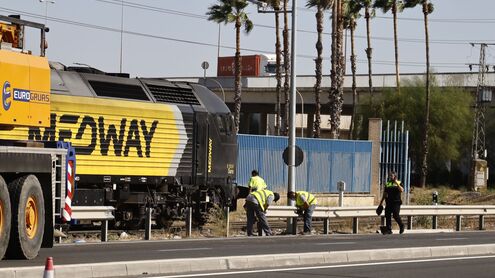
column 321, row 6
column 351, row 14
column 232, row 11
column 367, row 4
column 427, row 9
column 275, row 4
column 395, row 7
column 337, row 73
column 285, row 117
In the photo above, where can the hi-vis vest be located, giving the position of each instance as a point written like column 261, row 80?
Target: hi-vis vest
column 257, row 183
column 391, row 183
column 310, row 198
column 262, row 197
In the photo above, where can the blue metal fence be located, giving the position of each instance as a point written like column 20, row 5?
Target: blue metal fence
column 395, row 155
column 325, row 163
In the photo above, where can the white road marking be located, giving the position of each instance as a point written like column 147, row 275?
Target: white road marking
column 184, row 249
column 326, row 267
column 336, row 243
column 453, row 238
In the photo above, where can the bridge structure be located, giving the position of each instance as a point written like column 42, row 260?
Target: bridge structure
column 259, row 96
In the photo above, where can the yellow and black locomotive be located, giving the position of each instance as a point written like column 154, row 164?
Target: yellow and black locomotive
column 141, row 142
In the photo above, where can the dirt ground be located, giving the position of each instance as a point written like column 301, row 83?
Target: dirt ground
column 216, row 224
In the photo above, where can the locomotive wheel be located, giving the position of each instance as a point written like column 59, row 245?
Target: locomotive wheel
column 28, row 221
column 4, row 217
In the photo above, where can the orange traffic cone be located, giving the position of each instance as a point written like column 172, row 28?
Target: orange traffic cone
column 49, row 272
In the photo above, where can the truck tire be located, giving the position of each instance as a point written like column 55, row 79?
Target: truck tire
column 28, row 218
column 4, row 217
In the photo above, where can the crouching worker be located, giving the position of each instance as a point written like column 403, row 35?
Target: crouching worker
column 257, row 202
column 305, row 204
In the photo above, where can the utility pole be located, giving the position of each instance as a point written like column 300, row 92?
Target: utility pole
column 483, row 96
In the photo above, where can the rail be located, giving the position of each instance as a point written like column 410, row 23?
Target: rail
column 370, row 211
column 95, row 213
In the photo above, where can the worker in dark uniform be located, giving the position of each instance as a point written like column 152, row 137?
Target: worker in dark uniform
column 256, row 182
column 257, row 202
column 392, row 197
column 305, row 204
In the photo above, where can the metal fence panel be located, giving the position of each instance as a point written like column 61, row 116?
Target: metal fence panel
column 325, row 162
column 394, row 156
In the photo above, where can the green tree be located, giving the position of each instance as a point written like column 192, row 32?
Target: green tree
column 450, row 120
column 233, row 11
column 321, row 6
column 427, row 9
column 394, row 6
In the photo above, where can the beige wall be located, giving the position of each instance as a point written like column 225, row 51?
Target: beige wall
column 374, row 135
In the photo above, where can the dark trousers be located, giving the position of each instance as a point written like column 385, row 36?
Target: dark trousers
column 308, row 214
column 254, row 211
column 392, row 209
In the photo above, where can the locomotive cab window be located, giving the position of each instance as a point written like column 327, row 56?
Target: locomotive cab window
column 229, row 120
column 221, row 124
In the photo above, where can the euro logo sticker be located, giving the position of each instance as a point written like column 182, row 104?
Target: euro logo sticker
column 6, row 95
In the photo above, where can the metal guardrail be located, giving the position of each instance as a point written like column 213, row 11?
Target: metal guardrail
column 96, row 213
column 370, row 211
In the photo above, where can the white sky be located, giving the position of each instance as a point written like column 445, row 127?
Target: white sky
column 453, row 24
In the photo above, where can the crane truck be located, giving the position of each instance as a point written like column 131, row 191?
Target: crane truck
column 36, row 178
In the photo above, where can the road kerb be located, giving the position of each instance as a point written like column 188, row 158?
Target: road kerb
column 182, row 266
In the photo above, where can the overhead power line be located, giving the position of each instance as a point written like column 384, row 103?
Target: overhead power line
column 204, row 17
column 140, row 34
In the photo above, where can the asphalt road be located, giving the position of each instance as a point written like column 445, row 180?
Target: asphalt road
column 173, row 249
column 472, row 267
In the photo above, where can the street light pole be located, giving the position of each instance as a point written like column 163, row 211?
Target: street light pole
column 121, row 35
column 302, row 113
column 292, row 108
column 46, row 8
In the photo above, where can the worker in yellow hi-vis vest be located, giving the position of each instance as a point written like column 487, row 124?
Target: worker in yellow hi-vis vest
column 256, row 205
column 305, row 204
column 256, row 182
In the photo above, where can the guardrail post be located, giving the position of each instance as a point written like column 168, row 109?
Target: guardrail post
column 189, row 221
column 482, row 222
column 227, row 220
column 341, row 188
column 355, row 225
column 434, row 222
column 147, row 224
column 409, row 222
column 326, row 226
column 294, row 225
column 104, row 230
column 458, row 222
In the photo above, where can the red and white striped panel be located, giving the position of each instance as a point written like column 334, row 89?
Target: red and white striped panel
column 67, row 212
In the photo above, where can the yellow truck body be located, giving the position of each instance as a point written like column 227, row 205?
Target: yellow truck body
column 25, row 85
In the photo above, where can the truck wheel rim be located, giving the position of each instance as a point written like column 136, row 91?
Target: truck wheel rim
column 31, row 217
